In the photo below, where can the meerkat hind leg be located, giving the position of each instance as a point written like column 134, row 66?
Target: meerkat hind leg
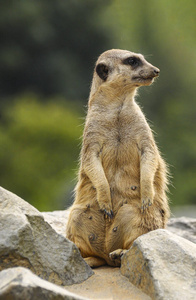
column 94, row 262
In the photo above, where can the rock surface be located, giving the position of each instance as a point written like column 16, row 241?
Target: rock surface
column 108, row 284
column 184, row 227
column 163, row 265
column 27, row 240
column 20, row 283
column 57, row 219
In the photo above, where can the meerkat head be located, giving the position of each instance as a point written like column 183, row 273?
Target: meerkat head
column 123, row 67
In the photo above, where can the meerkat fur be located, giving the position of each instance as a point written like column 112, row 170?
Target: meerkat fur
column 122, row 180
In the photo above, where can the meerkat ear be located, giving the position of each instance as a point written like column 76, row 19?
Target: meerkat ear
column 102, row 71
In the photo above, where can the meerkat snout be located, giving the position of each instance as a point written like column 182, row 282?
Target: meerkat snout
column 148, row 73
column 156, row 72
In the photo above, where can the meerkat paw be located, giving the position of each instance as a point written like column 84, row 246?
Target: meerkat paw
column 117, row 255
column 107, row 210
column 105, row 204
column 146, row 202
column 147, row 197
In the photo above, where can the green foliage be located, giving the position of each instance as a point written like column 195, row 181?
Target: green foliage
column 39, row 151
column 49, row 47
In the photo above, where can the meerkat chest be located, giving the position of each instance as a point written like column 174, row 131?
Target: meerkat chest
column 119, row 136
column 116, row 129
column 121, row 126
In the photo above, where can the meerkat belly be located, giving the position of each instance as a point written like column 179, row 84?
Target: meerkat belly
column 121, row 164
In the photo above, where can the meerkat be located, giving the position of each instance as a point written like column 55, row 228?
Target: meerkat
column 122, row 183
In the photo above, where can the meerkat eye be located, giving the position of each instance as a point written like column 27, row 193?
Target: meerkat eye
column 132, row 61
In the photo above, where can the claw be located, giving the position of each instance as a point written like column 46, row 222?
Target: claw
column 121, row 254
column 108, row 214
column 113, row 255
column 145, row 205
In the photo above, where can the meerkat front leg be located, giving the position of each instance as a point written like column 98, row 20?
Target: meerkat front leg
column 148, row 166
column 93, row 168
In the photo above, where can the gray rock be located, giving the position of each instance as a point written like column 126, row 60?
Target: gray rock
column 58, row 220
column 184, row 227
column 163, row 265
column 27, row 240
column 20, row 283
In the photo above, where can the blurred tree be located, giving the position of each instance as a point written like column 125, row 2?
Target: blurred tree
column 49, row 47
column 39, row 151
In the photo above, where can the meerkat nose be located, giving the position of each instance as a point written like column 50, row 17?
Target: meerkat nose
column 156, row 72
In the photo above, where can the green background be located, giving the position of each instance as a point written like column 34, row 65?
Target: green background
column 47, row 54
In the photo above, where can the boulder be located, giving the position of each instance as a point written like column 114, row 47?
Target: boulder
column 163, row 265
column 27, row 240
column 57, row 219
column 20, row 283
column 184, row 227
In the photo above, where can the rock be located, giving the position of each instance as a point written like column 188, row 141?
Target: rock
column 27, row 240
column 20, row 283
column 163, row 265
column 58, row 220
column 184, row 227
column 108, row 283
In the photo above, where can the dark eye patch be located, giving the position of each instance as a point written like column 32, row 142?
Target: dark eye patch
column 133, row 61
